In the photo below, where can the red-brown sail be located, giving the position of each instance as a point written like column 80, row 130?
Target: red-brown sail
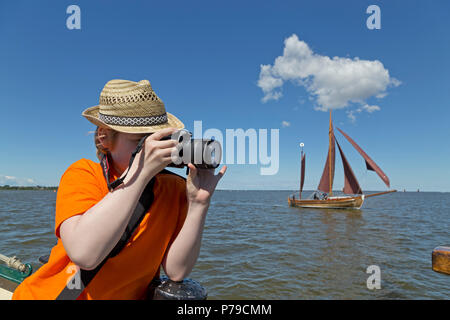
column 351, row 185
column 326, row 182
column 302, row 177
column 370, row 164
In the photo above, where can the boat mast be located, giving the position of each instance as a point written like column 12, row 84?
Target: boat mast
column 302, row 170
column 329, row 159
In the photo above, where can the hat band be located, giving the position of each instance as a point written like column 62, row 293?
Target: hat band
column 133, row 121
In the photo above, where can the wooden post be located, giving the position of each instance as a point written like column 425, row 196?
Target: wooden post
column 441, row 259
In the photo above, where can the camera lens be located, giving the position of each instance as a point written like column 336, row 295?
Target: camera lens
column 212, row 154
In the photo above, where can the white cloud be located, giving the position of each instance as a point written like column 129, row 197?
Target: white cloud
column 333, row 83
column 285, row 124
column 370, row 109
column 351, row 116
column 14, row 181
column 272, row 96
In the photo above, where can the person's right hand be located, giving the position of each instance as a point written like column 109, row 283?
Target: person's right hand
column 155, row 154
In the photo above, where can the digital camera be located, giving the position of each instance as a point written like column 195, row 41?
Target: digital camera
column 202, row 153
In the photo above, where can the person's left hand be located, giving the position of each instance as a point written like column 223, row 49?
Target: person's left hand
column 201, row 183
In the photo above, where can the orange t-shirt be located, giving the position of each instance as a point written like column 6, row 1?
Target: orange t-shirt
column 128, row 274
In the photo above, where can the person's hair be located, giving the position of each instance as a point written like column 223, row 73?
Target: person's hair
column 110, row 136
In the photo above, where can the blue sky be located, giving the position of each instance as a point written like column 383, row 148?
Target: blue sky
column 204, row 60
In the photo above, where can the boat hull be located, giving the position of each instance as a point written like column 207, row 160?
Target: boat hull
column 7, row 288
column 330, row 203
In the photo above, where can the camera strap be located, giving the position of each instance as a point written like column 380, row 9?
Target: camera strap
column 74, row 288
column 105, row 166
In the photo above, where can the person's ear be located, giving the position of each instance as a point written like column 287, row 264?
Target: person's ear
column 104, row 137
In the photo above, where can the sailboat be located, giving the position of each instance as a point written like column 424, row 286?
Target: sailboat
column 323, row 197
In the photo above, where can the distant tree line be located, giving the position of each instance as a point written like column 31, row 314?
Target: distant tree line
column 8, row 187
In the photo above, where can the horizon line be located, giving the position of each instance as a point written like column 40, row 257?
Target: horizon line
column 226, row 189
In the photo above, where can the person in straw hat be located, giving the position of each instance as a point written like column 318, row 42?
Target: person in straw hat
column 92, row 213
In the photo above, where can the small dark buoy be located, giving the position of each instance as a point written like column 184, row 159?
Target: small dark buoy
column 44, row 259
column 165, row 289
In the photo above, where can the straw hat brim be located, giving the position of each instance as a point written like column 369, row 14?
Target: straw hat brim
column 92, row 115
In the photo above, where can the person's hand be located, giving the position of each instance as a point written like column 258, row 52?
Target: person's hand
column 201, row 183
column 156, row 154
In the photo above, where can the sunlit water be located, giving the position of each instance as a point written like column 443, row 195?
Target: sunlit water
column 257, row 247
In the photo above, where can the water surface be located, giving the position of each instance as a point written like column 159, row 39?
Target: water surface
column 256, row 247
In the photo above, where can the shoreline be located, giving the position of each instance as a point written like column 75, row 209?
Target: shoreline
column 7, row 187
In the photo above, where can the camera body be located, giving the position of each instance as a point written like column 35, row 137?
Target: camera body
column 202, row 153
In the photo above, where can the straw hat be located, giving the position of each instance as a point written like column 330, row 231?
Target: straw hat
column 131, row 107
